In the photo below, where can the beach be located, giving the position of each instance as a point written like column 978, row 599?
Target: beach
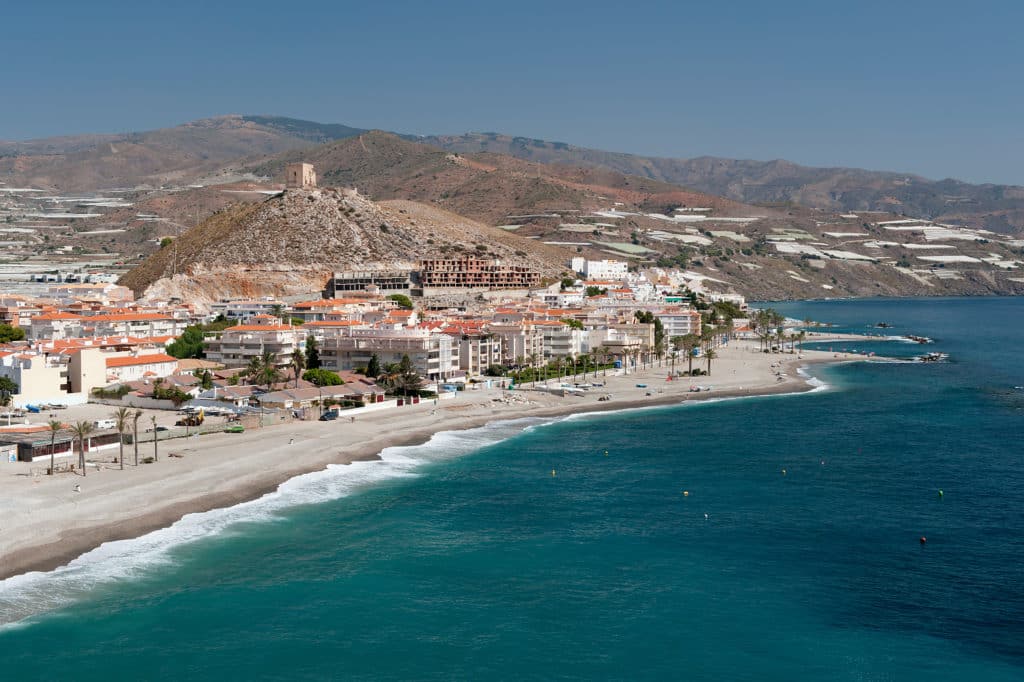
column 45, row 522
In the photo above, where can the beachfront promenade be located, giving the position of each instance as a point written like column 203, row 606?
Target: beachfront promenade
column 45, row 522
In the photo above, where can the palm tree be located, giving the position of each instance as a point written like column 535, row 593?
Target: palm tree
column 121, row 418
column 689, row 342
column 268, row 373
column 533, row 367
column 710, row 355
column 298, row 364
column 156, row 438
column 81, row 431
column 136, row 415
column 54, row 427
column 252, row 370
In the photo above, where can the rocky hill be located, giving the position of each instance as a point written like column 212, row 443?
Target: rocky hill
column 484, row 186
column 289, row 245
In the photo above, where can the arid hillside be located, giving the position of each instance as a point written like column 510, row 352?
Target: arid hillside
column 290, row 244
column 999, row 208
column 487, row 187
column 179, row 155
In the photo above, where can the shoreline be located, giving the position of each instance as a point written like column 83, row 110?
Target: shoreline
column 106, row 520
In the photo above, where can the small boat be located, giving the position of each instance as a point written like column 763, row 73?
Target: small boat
column 641, row 385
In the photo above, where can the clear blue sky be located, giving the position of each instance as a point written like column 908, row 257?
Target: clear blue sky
column 927, row 87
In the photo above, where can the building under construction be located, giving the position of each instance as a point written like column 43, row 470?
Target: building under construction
column 391, row 281
column 442, row 273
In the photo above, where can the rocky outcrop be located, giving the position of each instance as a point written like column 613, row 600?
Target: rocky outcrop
column 290, row 244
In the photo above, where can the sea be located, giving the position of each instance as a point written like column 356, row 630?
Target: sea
column 868, row 530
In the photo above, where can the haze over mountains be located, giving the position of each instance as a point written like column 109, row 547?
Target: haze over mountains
column 204, row 187
column 194, row 151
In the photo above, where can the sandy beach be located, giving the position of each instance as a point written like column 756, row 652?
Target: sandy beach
column 44, row 522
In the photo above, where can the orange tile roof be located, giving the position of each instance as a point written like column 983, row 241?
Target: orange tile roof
column 127, row 317
column 56, row 316
column 260, row 328
column 333, row 323
column 331, row 302
column 133, row 360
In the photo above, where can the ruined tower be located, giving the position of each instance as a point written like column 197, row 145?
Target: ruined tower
column 299, row 176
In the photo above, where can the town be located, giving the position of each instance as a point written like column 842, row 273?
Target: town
column 363, row 344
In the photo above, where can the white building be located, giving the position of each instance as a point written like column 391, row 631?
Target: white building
column 238, row 345
column 138, row 367
column 600, row 269
column 433, row 355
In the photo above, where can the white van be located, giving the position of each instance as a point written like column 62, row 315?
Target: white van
column 104, row 424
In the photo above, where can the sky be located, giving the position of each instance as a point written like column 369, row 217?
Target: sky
column 931, row 88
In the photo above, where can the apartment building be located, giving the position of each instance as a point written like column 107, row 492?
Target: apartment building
column 434, row 355
column 125, row 368
column 238, row 345
column 469, row 272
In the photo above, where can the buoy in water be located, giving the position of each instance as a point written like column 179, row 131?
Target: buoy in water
column 923, row 539
column 940, row 492
column 705, row 516
column 783, row 472
column 686, row 493
column 605, row 453
column 552, row 473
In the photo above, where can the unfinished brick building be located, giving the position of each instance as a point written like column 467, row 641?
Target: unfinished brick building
column 475, row 272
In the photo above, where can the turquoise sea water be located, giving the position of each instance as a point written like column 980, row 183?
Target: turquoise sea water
column 466, row 559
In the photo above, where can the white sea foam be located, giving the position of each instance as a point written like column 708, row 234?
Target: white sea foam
column 25, row 595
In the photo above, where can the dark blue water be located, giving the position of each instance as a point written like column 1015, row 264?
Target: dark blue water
column 466, row 559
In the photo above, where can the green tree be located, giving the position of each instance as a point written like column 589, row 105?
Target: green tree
column 205, row 379
column 7, row 388
column 322, row 377
column 121, row 418
column 373, row 367
column 572, row 323
column 81, row 430
column 595, row 291
column 402, row 378
column 156, row 439
column 54, row 427
column 9, row 333
column 688, row 343
column 402, row 300
column 263, row 370
column 710, row 355
column 189, row 344
column 136, row 415
column 165, row 242
column 312, row 353
column 298, row 364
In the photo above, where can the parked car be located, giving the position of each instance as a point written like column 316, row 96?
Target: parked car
column 104, row 424
column 329, row 416
column 237, row 428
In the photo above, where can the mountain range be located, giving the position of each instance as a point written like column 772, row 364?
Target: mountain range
column 198, row 152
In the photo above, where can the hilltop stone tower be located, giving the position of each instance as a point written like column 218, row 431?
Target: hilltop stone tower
column 299, row 176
